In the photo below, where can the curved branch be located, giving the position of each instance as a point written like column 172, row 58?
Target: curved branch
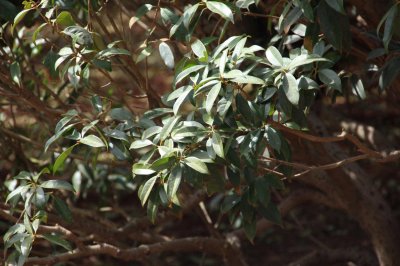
column 343, row 136
column 190, row 244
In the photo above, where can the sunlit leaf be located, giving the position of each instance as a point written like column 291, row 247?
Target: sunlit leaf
column 291, row 88
column 93, row 141
column 57, row 184
column 167, row 55
column 274, row 56
column 196, row 164
column 221, row 9
column 144, row 193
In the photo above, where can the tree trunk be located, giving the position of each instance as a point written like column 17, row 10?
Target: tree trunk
column 352, row 188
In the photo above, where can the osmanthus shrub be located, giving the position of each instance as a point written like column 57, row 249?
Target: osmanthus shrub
column 209, row 132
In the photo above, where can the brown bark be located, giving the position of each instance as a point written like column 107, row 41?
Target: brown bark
column 230, row 254
column 352, row 187
column 372, row 10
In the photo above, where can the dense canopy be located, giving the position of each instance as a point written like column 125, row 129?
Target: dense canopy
column 244, row 132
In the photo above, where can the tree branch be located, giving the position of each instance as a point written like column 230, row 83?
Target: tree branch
column 190, row 244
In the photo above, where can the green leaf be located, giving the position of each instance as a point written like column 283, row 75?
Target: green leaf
column 210, row 149
column 290, row 88
column 177, row 92
column 389, row 72
column 247, row 79
column 49, row 62
column 307, row 10
column 61, row 158
column 217, row 145
column 233, row 174
column 263, row 191
column 199, row 50
column 212, row 96
column 186, row 72
column 39, row 198
column 37, row 31
column 152, row 208
column 238, row 76
column 167, row 128
column 167, row 16
column 305, row 60
column 142, row 169
column 27, row 224
column 174, row 179
column 178, row 103
column 121, row 114
column 389, row 25
column 188, row 15
column 23, row 175
column 244, row 108
column 57, row 240
column 338, row 33
column 291, row 18
column 15, row 229
column 162, row 163
column 119, row 150
column 144, row 53
column 18, row 18
column 57, row 184
column 57, row 136
column 97, row 103
column 157, row 112
column 337, row 5
column 43, row 171
column 228, row 43
column 221, row 9
column 63, row 57
column 250, row 229
column 110, row 52
column 376, row 53
column 79, row 34
column 27, row 244
column 62, row 209
column 138, row 144
column 65, row 19
column 270, row 213
column 8, row 10
column 151, row 131
column 244, row 3
column 196, row 164
column 330, row 78
column 229, row 202
column 74, row 75
column 222, row 61
column 357, row 86
column 17, row 192
column 140, row 12
column 104, row 64
column 15, row 71
column 89, row 126
column 144, row 193
column 16, row 238
column 190, row 132
column 117, row 134
column 93, row 141
column 167, row 55
column 273, row 138
column 238, row 49
column 274, row 56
